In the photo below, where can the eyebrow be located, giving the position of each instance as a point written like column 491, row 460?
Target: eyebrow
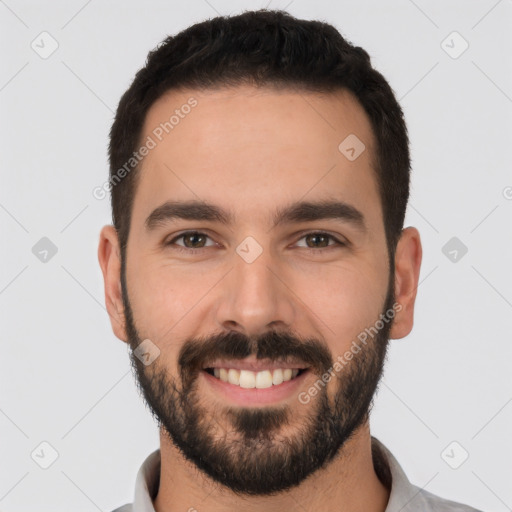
column 302, row 211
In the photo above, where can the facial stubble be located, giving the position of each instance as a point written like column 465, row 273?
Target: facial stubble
column 250, row 450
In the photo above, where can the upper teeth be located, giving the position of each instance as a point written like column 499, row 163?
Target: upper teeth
column 249, row 379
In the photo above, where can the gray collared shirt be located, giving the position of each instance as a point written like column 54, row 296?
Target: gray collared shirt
column 404, row 496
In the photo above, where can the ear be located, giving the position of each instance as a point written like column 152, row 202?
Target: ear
column 407, row 271
column 109, row 256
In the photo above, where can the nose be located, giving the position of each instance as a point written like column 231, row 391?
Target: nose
column 255, row 296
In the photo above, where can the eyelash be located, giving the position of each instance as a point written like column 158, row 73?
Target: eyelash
column 309, row 249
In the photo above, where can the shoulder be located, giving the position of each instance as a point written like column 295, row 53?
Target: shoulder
column 434, row 503
column 124, row 508
column 405, row 496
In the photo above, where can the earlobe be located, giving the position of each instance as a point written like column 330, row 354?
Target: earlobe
column 110, row 262
column 408, row 256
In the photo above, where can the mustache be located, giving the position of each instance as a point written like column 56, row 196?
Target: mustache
column 275, row 346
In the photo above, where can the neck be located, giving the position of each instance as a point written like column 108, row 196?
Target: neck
column 347, row 483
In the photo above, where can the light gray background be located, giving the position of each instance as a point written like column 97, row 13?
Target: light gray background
column 65, row 378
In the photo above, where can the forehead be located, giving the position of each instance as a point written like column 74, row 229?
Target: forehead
column 256, row 147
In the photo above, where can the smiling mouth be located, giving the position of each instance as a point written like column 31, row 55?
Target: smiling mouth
column 262, row 379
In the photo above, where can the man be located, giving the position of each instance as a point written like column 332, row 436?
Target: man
column 258, row 266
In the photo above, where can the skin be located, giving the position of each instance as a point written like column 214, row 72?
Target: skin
column 250, row 151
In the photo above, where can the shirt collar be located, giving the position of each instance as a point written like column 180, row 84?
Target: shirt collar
column 404, row 496
column 146, row 483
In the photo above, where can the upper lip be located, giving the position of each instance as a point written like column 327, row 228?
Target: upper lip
column 254, row 365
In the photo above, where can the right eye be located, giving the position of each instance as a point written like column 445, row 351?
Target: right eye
column 194, row 236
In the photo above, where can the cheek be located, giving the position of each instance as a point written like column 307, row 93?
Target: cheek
column 160, row 304
column 339, row 299
column 344, row 299
column 160, row 297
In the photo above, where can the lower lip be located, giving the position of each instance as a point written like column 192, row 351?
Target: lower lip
column 255, row 396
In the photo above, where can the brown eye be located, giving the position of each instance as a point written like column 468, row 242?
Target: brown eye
column 192, row 240
column 317, row 241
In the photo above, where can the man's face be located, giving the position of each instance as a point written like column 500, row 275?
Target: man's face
column 294, row 295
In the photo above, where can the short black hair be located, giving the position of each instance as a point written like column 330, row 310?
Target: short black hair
column 263, row 48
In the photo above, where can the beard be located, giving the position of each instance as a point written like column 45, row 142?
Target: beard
column 260, row 451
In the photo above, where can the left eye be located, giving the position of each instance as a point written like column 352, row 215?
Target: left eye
column 195, row 237
column 320, row 236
